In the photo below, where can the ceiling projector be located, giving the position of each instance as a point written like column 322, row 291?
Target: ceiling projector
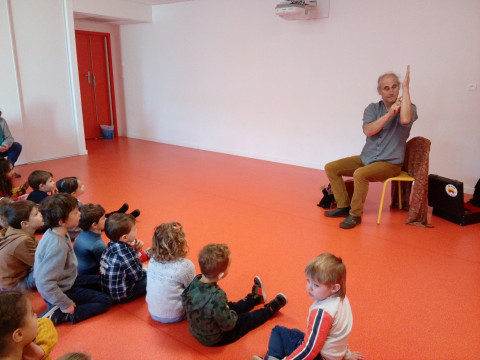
column 303, row 9
column 299, row 9
column 292, row 11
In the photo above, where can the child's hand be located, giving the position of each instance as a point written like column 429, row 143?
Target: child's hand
column 355, row 355
column 137, row 245
column 55, row 191
column 70, row 309
column 25, row 186
column 3, row 148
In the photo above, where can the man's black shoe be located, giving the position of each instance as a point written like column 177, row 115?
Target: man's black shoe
column 338, row 212
column 350, row 222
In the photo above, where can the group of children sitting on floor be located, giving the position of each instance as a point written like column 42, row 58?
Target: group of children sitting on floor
column 83, row 279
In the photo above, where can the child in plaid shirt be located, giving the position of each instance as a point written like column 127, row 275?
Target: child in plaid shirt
column 121, row 272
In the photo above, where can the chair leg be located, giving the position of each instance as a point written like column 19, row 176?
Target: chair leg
column 381, row 201
column 399, row 195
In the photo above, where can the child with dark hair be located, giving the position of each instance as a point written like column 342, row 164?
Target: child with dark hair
column 6, row 175
column 22, row 335
column 121, row 272
column 6, row 186
column 213, row 320
column 73, row 186
column 42, row 184
column 329, row 321
column 69, row 296
column 169, row 273
column 89, row 245
column 18, row 244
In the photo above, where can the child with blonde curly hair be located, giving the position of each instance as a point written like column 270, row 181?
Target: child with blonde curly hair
column 169, row 273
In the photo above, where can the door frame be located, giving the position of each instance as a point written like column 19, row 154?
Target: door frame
column 110, row 73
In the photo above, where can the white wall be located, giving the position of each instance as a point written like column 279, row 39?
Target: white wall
column 231, row 76
column 38, row 99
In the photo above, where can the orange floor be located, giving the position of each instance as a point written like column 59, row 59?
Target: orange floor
column 414, row 291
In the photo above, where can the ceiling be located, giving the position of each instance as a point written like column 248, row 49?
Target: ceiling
column 102, row 19
column 157, row 2
column 119, row 21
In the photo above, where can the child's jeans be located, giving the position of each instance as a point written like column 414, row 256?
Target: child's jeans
column 284, row 341
column 29, row 280
column 139, row 289
column 169, row 320
column 246, row 322
column 27, row 283
column 88, row 298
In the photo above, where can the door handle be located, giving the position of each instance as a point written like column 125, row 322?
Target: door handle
column 88, row 76
column 94, row 83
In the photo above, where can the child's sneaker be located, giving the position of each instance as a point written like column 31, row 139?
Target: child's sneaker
column 255, row 357
column 135, row 213
column 56, row 315
column 258, row 291
column 277, row 303
column 48, row 313
column 123, row 209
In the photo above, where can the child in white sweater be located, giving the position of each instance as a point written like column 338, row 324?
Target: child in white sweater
column 168, row 274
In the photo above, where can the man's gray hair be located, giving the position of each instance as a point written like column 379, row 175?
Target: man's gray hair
column 380, row 78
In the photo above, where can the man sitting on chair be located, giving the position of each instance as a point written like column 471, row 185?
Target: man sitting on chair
column 387, row 126
column 8, row 147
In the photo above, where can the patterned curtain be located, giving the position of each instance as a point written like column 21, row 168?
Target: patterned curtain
column 416, row 165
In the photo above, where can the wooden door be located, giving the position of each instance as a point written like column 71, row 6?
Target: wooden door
column 96, row 82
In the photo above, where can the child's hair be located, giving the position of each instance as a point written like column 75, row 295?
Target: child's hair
column 18, row 211
column 4, row 201
column 91, row 213
column 38, row 177
column 13, row 309
column 169, row 242
column 118, row 224
column 57, row 207
column 213, row 259
column 329, row 270
column 5, row 181
column 67, row 184
column 75, row 356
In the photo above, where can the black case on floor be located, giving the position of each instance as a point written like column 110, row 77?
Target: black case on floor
column 446, row 197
